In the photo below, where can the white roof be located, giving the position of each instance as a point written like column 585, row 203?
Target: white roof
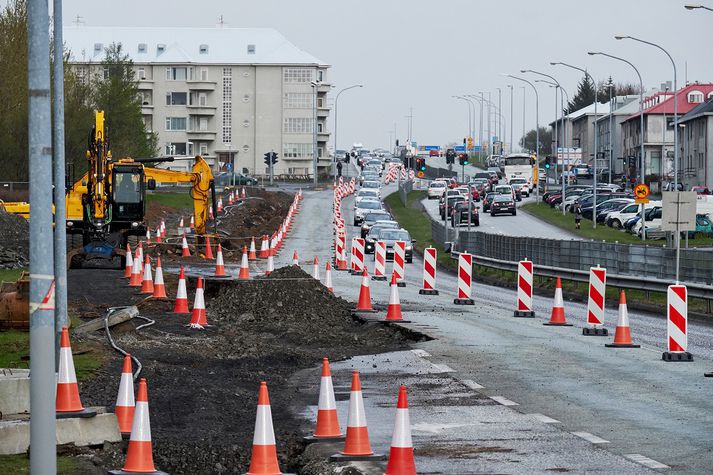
column 220, row 45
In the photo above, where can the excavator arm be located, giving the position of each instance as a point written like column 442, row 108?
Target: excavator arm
column 201, row 177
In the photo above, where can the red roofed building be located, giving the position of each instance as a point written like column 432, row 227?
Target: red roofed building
column 658, row 132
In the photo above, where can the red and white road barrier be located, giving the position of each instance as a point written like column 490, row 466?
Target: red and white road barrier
column 677, row 328
column 379, row 261
column 340, row 262
column 524, row 290
column 399, row 262
column 595, row 303
column 465, row 279
column 357, row 257
column 429, row 272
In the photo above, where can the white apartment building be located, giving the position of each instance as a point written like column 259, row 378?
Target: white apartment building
column 230, row 94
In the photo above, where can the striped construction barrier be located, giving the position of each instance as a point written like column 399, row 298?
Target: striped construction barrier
column 429, row 272
column 524, row 290
column 677, row 327
column 465, row 278
column 595, row 302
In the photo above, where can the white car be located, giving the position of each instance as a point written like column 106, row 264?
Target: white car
column 504, row 190
column 365, row 193
column 365, row 207
column 616, row 219
column 436, row 189
column 525, row 186
column 463, row 190
column 653, row 221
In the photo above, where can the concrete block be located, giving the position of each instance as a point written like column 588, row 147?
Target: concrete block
column 14, row 391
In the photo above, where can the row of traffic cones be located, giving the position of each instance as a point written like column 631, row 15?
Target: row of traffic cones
column 393, row 312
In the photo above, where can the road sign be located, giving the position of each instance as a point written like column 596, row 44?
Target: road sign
column 641, row 192
column 420, row 174
column 228, row 166
column 460, row 148
column 469, row 143
column 679, row 211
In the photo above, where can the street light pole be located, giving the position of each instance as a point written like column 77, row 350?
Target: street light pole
column 537, row 130
column 500, row 102
column 641, row 114
column 336, row 104
column 695, row 7
column 511, row 115
column 675, row 102
column 480, row 124
column 554, row 130
column 524, row 103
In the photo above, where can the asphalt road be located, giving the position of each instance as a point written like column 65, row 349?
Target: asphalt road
column 623, row 404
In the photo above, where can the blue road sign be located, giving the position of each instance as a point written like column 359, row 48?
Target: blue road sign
column 460, row 148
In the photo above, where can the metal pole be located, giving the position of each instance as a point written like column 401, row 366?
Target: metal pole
column 490, row 148
column 43, row 456
column 555, row 131
column 314, row 132
column 336, row 103
column 511, row 115
column 272, row 166
column 60, row 215
column 537, row 130
column 611, row 130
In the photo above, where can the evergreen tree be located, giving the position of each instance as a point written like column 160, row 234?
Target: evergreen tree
column 584, row 97
column 528, row 141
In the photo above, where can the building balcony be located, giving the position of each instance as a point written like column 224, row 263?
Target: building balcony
column 146, row 109
column 201, row 110
column 201, row 85
column 201, row 134
column 322, row 112
column 323, row 136
column 324, row 87
column 145, row 85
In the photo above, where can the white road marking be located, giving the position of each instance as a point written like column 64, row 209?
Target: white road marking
column 472, row 384
column 421, row 353
column 504, row 401
column 544, row 418
column 442, row 368
column 435, row 428
column 590, row 438
column 645, row 461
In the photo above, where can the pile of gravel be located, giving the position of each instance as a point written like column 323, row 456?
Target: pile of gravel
column 14, row 241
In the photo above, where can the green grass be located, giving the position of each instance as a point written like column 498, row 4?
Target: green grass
column 10, row 275
column 171, row 199
column 20, row 464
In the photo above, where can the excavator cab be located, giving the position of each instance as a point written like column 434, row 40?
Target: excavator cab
column 128, row 192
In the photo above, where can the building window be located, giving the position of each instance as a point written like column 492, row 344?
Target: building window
column 142, row 73
column 176, row 98
column 227, row 105
column 142, row 48
column 320, row 126
column 204, row 74
column 106, row 72
column 251, row 49
column 175, row 123
column 97, row 48
column 320, row 75
column 203, row 149
column 203, row 124
column 297, row 150
column 297, row 100
column 297, row 75
column 176, row 148
column 82, row 74
column 298, row 125
column 145, row 98
column 695, row 97
column 176, row 74
column 203, row 49
column 202, row 99
column 160, row 48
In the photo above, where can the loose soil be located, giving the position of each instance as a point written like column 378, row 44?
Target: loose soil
column 14, row 241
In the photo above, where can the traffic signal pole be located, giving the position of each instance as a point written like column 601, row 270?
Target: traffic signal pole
column 272, row 167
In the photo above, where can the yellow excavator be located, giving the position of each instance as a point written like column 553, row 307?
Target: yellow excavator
column 107, row 205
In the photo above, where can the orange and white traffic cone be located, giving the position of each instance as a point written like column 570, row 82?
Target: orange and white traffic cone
column 243, row 194
column 163, row 228
column 557, row 317
column 356, row 444
column 181, row 227
column 129, row 262
column 158, row 235
column 270, row 262
column 252, row 255
column 264, row 247
column 192, row 224
column 364, row 303
column 244, row 265
column 135, row 280
column 140, row 253
column 263, row 460
column 401, row 461
column 219, row 264
column 159, row 288
column 124, row 408
column 147, row 282
column 198, row 316
column 67, row 398
column 148, row 235
column 622, row 334
column 315, row 268
column 181, row 305
column 393, row 313
column 185, row 252
column 208, row 249
column 328, row 277
column 139, row 454
column 295, row 258
column 327, row 421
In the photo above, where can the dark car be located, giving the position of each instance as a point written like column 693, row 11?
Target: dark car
column 609, row 205
column 586, row 200
column 375, row 234
column 460, row 215
column 390, row 236
column 452, row 200
column 488, row 200
column 502, row 204
column 371, row 218
column 229, row 179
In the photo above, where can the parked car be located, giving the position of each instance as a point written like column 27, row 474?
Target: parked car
column 436, row 189
column 607, row 205
column 371, row 218
column 390, row 236
column 701, row 190
column 230, row 179
column 503, row 204
column 460, row 214
column 582, row 170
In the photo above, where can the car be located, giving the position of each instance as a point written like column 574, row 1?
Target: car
column 602, row 214
column 452, row 182
column 701, row 190
column 452, row 200
column 505, row 190
column 522, row 184
column 374, row 234
column 488, row 200
column 368, row 176
column 494, row 177
column 588, row 199
column 371, row 185
column 517, row 189
column 616, row 203
column 463, row 190
column 496, row 170
column 460, row 214
column 475, row 193
column 653, row 220
column 503, row 204
column 234, row 179
column 433, row 153
column 569, row 175
column 365, row 207
column 582, row 170
column 365, row 193
column 371, row 218
column 618, row 219
column 390, row 236
column 436, row 189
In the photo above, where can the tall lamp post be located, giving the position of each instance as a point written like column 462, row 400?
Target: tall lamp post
column 480, row 124
column 336, row 104
column 596, row 141
column 556, row 136
column 537, row 130
column 642, row 160
column 697, row 6
column 675, row 101
column 511, row 114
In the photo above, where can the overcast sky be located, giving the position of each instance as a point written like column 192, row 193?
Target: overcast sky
column 418, row 53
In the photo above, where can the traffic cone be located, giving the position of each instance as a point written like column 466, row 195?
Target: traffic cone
column 158, row 235
column 198, row 316
column 622, row 333
column 364, row 304
column 264, row 247
column 129, row 262
column 401, row 460
column 243, row 194
column 210, row 212
column 295, row 258
column 263, row 460
column 159, row 288
column 270, row 262
column 148, row 235
column 327, row 421
column 208, row 249
column 244, row 266
column 181, row 305
column 140, row 253
column 124, row 408
column 192, row 224
column 356, row 444
column 135, row 280
column 147, row 282
column 315, row 268
column 139, row 454
column 328, row 277
column 163, row 228
column 185, row 252
column 393, row 313
column 67, row 397
column 181, row 228
column 557, row 318
column 252, row 256
column 219, row 265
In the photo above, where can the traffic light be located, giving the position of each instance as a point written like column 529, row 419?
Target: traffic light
column 270, row 158
column 547, row 162
column 450, row 155
column 463, row 159
column 421, row 164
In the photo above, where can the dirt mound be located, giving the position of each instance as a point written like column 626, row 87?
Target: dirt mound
column 14, row 241
column 261, row 213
